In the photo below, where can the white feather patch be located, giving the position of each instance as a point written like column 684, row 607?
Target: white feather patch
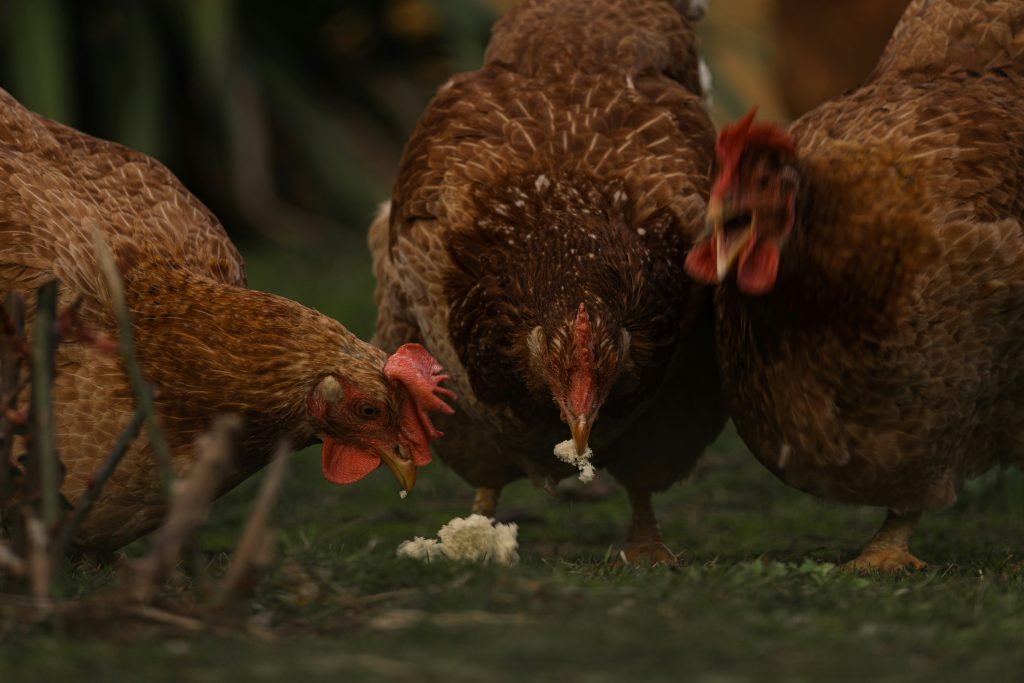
column 693, row 9
column 705, row 84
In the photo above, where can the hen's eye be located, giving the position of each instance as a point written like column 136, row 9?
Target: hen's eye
column 368, row 411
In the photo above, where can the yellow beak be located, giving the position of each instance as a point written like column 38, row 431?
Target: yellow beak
column 727, row 247
column 401, row 465
column 580, row 428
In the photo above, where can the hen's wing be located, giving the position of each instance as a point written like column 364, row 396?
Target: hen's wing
column 937, row 35
column 56, row 187
column 59, row 183
column 636, row 36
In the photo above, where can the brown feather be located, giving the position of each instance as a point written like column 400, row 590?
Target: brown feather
column 208, row 344
column 570, row 169
column 884, row 367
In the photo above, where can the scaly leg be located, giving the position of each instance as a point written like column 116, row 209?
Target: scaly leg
column 644, row 543
column 888, row 550
column 486, row 501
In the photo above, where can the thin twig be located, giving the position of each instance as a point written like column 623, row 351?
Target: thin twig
column 88, row 499
column 256, row 536
column 213, row 464
column 164, row 617
column 141, row 388
column 43, row 449
column 40, row 572
column 12, row 312
column 10, row 562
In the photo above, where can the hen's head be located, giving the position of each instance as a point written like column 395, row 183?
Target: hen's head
column 578, row 362
column 364, row 424
column 752, row 207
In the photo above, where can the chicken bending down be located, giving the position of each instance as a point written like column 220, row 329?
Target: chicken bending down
column 870, row 270
column 535, row 245
column 209, row 345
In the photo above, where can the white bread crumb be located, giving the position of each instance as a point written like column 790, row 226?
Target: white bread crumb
column 419, row 548
column 402, row 494
column 566, row 452
column 471, row 539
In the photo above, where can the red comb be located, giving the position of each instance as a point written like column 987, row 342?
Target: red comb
column 581, row 384
column 414, row 367
column 735, row 138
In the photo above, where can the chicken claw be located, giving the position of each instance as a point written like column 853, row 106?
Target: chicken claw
column 889, row 551
column 645, row 544
column 648, row 554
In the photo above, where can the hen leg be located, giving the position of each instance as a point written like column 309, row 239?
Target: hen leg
column 644, row 545
column 888, row 550
column 485, row 502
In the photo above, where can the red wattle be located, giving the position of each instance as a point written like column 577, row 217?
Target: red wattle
column 701, row 263
column 758, row 269
column 416, row 435
column 345, row 464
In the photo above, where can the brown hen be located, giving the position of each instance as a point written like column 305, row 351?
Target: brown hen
column 208, row 344
column 534, row 244
column 871, row 339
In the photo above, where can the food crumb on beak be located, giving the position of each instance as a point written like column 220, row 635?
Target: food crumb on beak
column 566, row 452
column 402, row 494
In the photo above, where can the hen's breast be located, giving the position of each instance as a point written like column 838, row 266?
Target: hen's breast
column 898, row 415
column 530, row 196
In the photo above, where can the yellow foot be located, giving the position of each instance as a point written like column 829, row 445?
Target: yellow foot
column 649, row 554
column 888, row 560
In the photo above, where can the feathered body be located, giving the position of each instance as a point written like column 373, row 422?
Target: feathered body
column 535, row 240
column 207, row 343
column 883, row 364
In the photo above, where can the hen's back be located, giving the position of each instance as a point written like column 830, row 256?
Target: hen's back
column 938, row 35
column 637, row 36
column 57, row 186
column 944, row 101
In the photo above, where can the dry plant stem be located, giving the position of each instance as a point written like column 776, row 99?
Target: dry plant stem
column 10, row 562
column 88, row 499
column 161, row 616
column 40, row 573
column 43, row 448
column 256, row 535
column 188, row 507
column 485, row 502
column 140, row 387
column 13, row 311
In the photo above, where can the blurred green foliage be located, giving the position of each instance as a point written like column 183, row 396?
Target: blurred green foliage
column 287, row 119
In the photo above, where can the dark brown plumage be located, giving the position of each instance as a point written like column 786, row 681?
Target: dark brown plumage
column 209, row 344
column 871, row 339
column 535, row 244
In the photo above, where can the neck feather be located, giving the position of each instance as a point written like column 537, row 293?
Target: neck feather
column 212, row 348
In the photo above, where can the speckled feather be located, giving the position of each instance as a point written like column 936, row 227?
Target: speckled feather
column 570, row 168
column 885, row 367
column 208, row 344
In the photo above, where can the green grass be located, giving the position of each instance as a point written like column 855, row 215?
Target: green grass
column 757, row 598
